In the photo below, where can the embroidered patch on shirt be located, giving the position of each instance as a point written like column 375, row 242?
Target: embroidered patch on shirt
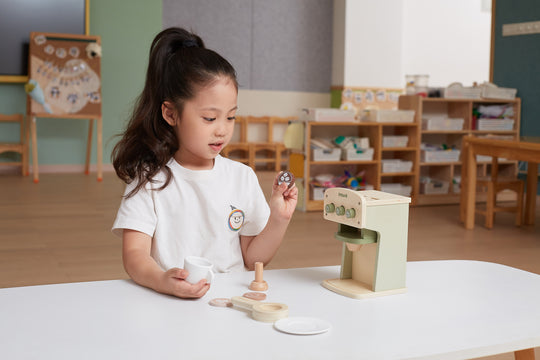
column 236, row 219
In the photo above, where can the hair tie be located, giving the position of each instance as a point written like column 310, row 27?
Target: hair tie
column 189, row 43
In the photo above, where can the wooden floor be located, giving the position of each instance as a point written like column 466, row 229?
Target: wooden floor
column 59, row 231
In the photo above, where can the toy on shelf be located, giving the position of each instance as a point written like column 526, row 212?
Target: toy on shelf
column 347, row 180
column 373, row 227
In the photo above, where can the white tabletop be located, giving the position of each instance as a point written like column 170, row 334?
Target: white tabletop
column 452, row 310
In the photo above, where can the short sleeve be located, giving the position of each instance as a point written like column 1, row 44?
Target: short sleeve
column 258, row 210
column 136, row 212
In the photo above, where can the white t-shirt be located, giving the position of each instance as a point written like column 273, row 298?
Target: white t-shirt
column 200, row 213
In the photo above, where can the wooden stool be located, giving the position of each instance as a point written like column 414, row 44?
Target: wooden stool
column 494, row 186
column 20, row 147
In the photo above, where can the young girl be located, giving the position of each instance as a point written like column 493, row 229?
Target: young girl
column 182, row 198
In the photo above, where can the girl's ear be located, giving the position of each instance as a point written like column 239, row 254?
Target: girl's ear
column 168, row 112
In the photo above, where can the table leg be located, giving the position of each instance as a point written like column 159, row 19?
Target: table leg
column 527, row 354
column 532, row 188
column 464, row 186
column 470, row 191
column 33, row 134
column 89, row 147
column 99, row 148
column 26, row 142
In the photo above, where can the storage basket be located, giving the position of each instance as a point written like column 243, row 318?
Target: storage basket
column 396, row 166
column 434, row 186
column 400, row 116
column 360, row 154
column 395, row 141
column 495, row 92
column 398, row 189
column 326, row 154
column 495, row 124
column 440, row 155
column 442, row 124
column 318, row 192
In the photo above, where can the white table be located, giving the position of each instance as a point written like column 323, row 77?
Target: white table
column 452, row 310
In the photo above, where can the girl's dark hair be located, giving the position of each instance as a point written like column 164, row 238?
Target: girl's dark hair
column 178, row 66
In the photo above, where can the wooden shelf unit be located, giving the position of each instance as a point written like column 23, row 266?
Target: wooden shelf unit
column 447, row 171
column 373, row 168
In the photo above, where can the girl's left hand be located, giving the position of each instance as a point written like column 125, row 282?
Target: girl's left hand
column 283, row 199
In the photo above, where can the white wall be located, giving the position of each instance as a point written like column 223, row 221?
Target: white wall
column 449, row 40
column 279, row 103
column 387, row 39
column 373, row 43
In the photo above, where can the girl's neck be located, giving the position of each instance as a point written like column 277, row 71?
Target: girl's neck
column 194, row 164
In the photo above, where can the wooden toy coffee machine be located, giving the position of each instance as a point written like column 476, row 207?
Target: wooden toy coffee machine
column 373, row 227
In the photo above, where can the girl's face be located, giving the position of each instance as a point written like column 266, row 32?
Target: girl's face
column 206, row 124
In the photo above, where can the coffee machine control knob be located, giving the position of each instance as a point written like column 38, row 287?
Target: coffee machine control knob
column 330, row 208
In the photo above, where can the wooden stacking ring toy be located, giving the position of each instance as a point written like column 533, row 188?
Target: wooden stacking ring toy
column 221, row 302
column 261, row 311
column 258, row 284
column 255, row 296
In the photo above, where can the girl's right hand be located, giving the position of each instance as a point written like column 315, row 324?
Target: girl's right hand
column 173, row 283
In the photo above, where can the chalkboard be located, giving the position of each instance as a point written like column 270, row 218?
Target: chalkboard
column 20, row 17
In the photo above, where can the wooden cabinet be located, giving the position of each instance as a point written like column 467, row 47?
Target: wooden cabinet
column 450, row 171
column 306, row 168
column 309, row 168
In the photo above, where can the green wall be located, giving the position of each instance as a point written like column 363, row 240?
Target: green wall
column 517, row 60
column 127, row 28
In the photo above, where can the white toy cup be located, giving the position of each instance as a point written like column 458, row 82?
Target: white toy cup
column 199, row 268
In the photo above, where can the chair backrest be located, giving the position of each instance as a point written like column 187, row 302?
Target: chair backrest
column 15, row 118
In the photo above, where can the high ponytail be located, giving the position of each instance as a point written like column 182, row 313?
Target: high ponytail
column 179, row 64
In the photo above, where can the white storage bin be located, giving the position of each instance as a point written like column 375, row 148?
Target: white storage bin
column 396, row 166
column 491, row 91
column 400, row 116
column 457, row 90
column 495, row 124
column 442, row 124
column 318, row 192
column 326, row 154
column 352, row 142
column 360, row 154
column 395, row 141
column 434, row 186
column 483, row 158
column 456, row 185
column 327, row 114
column 440, row 155
column 398, row 189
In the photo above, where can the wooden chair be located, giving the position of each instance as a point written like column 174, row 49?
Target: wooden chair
column 253, row 151
column 273, row 154
column 271, row 150
column 20, row 147
column 495, row 185
column 239, row 150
